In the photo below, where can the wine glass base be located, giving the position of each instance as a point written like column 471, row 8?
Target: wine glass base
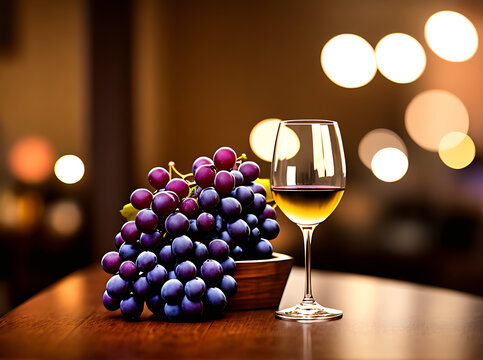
column 308, row 312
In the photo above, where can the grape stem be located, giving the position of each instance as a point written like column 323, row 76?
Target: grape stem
column 172, row 168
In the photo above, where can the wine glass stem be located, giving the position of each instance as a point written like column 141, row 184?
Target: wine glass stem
column 307, row 234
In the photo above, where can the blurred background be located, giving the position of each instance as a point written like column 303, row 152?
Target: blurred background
column 93, row 94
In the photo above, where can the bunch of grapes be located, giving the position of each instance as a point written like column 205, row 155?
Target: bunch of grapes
column 178, row 255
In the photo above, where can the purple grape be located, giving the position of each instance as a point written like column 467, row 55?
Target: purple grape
column 211, row 271
column 238, row 230
column 141, row 286
column 215, row 299
column 146, row 261
column 117, row 287
column 244, row 195
column 185, row 271
column 192, row 309
column 259, row 203
column 205, row 222
column 250, row 171
column 177, row 224
column 263, row 250
column 202, row 160
column 205, row 176
column 164, row 203
column 209, row 199
column 129, row 232
column 141, row 198
column 147, row 221
column 129, row 251
column 258, row 188
column 195, row 288
column 189, row 207
column 110, row 303
column 230, row 208
column 173, row 312
column 158, row 177
column 110, row 262
column 172, row 275
column 224, row 182
column 155, row 304
column 229, row 266
column 268, row 213
column 157, row 276
column 197, row 192
column 132, row 308
column 166, row 257
column 150, row 240
column 219, row 250
column 118, row 240
column 239, row 180
column 251, row 220
column 237, row 253
column 200, row 252
column 228, row 285
column 178, row 186
column 128, row 270
column 219, row 223
column 228, row 239
column 172, row 291
column 224, row 158
column 270, row 229
column 182, row 247
column 193, row 231
column 255, row 236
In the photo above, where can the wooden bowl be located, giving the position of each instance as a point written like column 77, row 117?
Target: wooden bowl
column 260, row 282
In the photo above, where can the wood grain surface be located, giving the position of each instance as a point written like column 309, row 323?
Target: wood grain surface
column 383, row 319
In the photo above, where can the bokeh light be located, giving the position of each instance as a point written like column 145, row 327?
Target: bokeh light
column 64, row 218
column 389, row 164
column 349, row 61
column 262, row 138
column 400, row 58
column 69, row 169
column 31, row 159
column 456, row 150
column 451, row 36
column 376, row 140
column 432, row 114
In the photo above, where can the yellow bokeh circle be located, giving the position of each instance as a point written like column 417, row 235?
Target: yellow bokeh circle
column 456, row 150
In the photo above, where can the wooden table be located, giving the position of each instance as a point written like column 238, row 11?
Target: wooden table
column 383, row 319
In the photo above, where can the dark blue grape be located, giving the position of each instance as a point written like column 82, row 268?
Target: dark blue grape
column 244, row 195
column 228, row 239
column 118, row 240
column 269, row 229
column 205, row 222
column 189, row 207
column 155, row 304
column 117, row 287
column 193, row 231
column 129, row 232
column 251, row 220
column 141, row 286
column 237, row 253
column 182, row 247
column 215, row 299
column 146, row 261
column 185, row 271
column 229, row 266
column 110, row 303
column 224, row 182
column 255, row 236
column 258, row 188
column 166, row 257
column 128, row 270
column 238, row 230
column 141, row 198
column 172, row 275
column 258, row 204
column 228, row 285
column 157, row 276
column 173, row 312
column 164, row 203
column 224, row 158
column 191, row 308
column 209, row 199
column 147, row 221
column 200, row 252
column 177, row 224
column 150, row 240
column 132, row 308
column 219, row 223
column 211, row 271
column 219, row 250
column 129, row 251
column 110, row 262
column 263, row 250
column 230, row 208
column 158, row 177
column 195, row 288
column 172, row 291
column 250, row 171
column 239, row 180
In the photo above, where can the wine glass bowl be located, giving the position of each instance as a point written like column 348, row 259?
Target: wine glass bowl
column 308, row 180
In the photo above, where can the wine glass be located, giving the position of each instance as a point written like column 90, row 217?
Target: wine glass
column 307, row 181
